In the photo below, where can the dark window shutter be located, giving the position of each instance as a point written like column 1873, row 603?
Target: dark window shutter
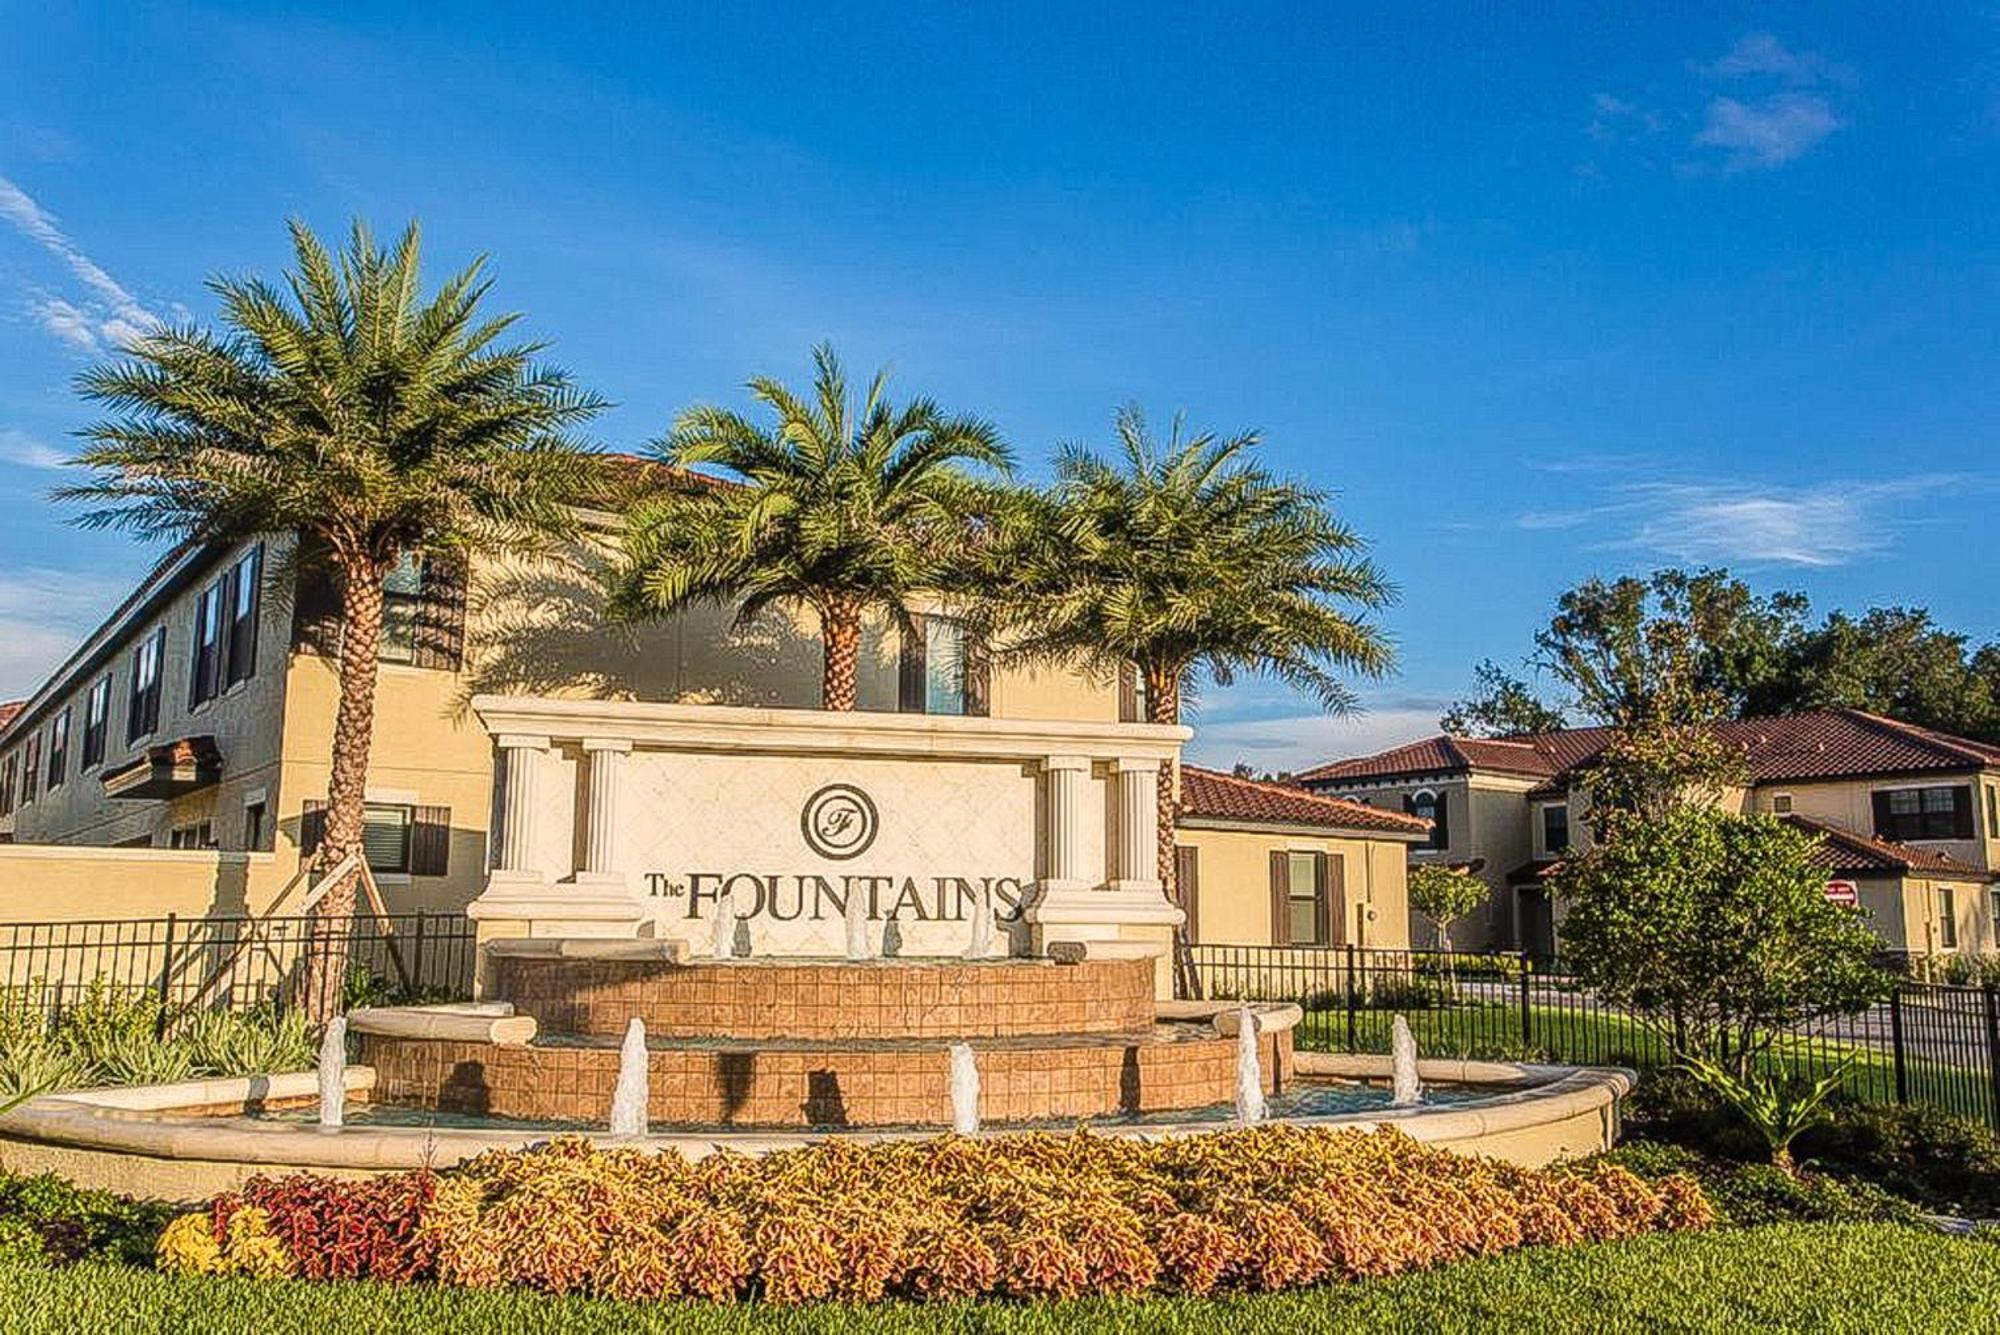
column 1330, row 880
column 911, row 668
column 312, row 828
column 1885, row 824
column 440, row 641
column 316, row 614
column 1187, row 887
column 1281, row 909
column 430, row 841
column 1441, row 829
column 1128, row 693
column 978, row 677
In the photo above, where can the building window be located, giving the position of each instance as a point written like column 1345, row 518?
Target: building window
column 1943, row 812
column 1555, row 829
column 402, row 608
column 1947, row 918
column 1781, row 804
column 143, row 714
column 1992, row 812
column 1306, row 922
column 243, row 588
column 385, row 836
column 59, row 750
column 1431, row 806
column 96, row 720
column 255, row 823
column 205, row 670
column 9, row 774
column 192, row 837
column 942, row 669
column 31, row 764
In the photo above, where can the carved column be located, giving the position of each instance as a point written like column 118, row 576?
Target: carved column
column 521, row 766
column 1137, row 861
column 605, row 758
column 1068, row 786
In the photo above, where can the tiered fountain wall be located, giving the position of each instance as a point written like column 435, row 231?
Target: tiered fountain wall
column 798, row 1043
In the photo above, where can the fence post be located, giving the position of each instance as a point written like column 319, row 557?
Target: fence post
column 1527, row 1015
column 166, row 977
column 1353, row 1001
column 417, row 955
column 1986, row 993
column 1896, row 1042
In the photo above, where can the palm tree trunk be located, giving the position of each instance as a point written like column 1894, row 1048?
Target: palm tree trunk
column 840, row 623
column 347, row 784
column 1163, row 705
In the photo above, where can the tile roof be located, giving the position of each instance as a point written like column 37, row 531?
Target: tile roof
column 1823, row 744
column 1862, row 854
column 9, row 708
column 1210, row 795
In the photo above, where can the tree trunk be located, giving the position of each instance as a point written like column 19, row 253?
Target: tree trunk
column 840, row 623
column 1163, row 705
column 347, row 784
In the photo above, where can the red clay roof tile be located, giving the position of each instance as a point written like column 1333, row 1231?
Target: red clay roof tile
column 1211, row 795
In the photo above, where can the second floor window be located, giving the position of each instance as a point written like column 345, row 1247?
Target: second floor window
column 205, row 676
column 943, row 669
column 402, row 603
column 1555, row 829
column 1425, row 804
column 59, row 750
column 9, row 777
column 142, row 714
column 225, row 630
column 1941, row 812
column 31, row 764
column 96, row 717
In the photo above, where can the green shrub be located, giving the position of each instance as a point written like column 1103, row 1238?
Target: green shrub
column 1944, row 1161
column 1750, row 1195
column 32, row 1064
column 256, row 1042
column 46, row 1221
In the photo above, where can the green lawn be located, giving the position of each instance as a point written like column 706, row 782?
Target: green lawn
column 1797, row 1277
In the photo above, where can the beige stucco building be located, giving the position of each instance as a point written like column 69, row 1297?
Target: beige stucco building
column 178, row 762
column 1910, row 817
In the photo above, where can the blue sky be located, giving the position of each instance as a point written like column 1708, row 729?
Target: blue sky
column 1539, row 295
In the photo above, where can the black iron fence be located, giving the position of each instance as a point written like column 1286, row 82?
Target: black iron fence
column 234, row 963
column 1926, row 1043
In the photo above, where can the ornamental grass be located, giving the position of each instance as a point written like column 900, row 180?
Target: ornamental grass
column 1027, row 1216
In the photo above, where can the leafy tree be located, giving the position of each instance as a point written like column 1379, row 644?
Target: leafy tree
column 1184, row 557
column 1501, row 705
column 1715, row 928
column 838, row 511
column 374, row 423
column 1444, row 896
column 1894, row 661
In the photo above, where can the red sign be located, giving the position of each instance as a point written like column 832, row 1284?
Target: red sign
column 1843, row 893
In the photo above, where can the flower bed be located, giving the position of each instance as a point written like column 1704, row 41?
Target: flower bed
column 1022, row 1216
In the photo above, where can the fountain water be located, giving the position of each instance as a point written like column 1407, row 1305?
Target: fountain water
column 1405, row 1089
column 855, row 911
column 1249, row 1070
column 982, row 924
column 724, row 946
column 964, row 1090
column 333, row 1074
column 628, row 1096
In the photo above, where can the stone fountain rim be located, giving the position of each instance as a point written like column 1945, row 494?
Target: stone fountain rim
column 151, row 1120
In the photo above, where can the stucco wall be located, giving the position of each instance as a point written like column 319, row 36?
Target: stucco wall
column 1850, row 804
column 1235, row 899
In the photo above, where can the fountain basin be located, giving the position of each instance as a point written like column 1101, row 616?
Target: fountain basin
column 190, row 1141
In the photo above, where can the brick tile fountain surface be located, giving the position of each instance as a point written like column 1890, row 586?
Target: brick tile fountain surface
column 821, row 1043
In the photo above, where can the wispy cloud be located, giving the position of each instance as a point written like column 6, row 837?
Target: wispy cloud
column 107, row 314
column 18, row 447
column 44, row 614
column 1775, row 105
column 1768, row 132
column 1739, row 523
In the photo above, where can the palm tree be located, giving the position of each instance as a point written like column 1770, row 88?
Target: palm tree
column 346, row 409
column 1184, row 558
column 831, row 510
